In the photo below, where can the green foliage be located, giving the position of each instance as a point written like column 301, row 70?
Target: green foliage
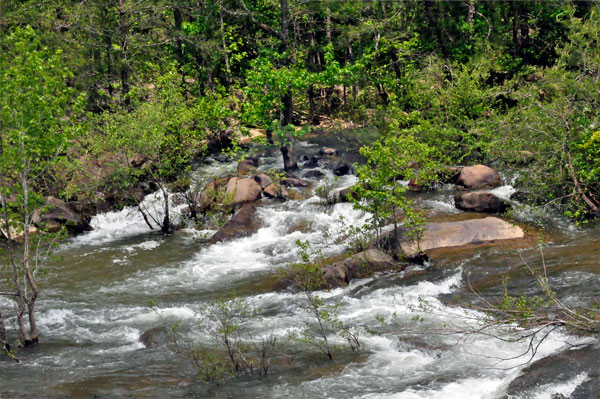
column 236, row 352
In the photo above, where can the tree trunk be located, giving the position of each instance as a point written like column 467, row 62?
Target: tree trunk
column 166, row 224
column 223, row 43
column 289, row 157
column 124, row 72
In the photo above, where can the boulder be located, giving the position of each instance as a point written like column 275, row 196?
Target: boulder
column 328, row 151
column 417, row 185
column 57, row 214
column 314, row 174
column 361, row 265
column 478, row 176
column 560, row 368
column 480, row 201
column 208, row 196
column 521, row 196
column 243, row 190
column 275, row 191
column 445, row 235
column 244, row 223
column 155, row 337
column 263, row 180
column 17, row 231
column 294, row 182
column 247, row 166
column 341, row 169
column 314, row 162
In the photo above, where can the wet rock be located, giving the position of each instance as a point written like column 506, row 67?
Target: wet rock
column 480, row 201
column 155, row 337
column 417, row 185
column 328, row 151
column 208, row 196
column 478, row 176
column 275, row 191
column 17, row 231
column 294, row 182
column 263, row 180
column 560, row 368
column 521, row 196
column 314, row 174
column 245, row 222
column 243, row 190
column 361, row 265
column 57, row 214
column 314, row 162
column 439, row 236
column 341, row 169
column 335, row 275
column 247, row 166
column 588, row 390
column 346, row 193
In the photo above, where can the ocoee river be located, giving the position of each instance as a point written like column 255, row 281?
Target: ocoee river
column 93, row 308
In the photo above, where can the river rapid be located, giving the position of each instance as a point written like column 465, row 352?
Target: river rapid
column 94, row 307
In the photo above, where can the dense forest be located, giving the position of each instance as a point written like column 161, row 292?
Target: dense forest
column 509, row 82
column 104, row 102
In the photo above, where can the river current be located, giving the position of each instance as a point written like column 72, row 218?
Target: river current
column 94, row 307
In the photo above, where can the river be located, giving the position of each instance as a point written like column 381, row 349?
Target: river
column 95, row 295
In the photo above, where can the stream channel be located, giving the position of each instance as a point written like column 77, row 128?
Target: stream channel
column 93, row 307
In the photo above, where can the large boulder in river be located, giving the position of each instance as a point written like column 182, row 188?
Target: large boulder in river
column 438, row 237
column 480, row 201
column 57, row 214
column 243, row 190
column 361, row 265
column 263, row 180
column 244, row 223
column 560, row 368
column 478, row 176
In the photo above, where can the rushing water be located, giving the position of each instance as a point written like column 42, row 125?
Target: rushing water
column 94, row 308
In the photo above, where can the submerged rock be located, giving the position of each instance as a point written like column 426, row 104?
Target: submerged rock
column 294, row 182
column 361, row 265
column 561, row 368
column 478, row 176
column 244, row 223
column 438, row 236
column 480, row 201
column 155, row 337
column 314, row 174
column 247, row 166
column 314, row 162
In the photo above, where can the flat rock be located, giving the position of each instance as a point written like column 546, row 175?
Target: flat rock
column 444, row 235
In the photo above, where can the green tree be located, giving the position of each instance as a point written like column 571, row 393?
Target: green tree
column 36, row 124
